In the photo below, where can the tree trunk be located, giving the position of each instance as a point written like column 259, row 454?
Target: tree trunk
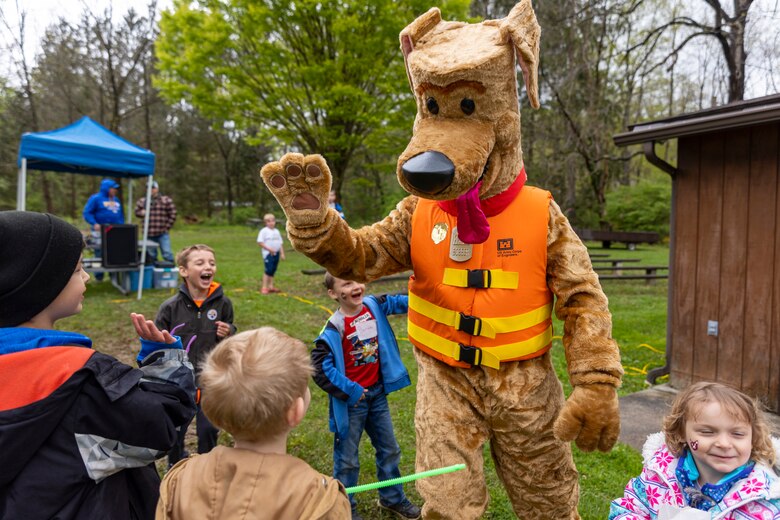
column 738, row 52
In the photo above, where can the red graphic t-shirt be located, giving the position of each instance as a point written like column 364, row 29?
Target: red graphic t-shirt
column 361, row 348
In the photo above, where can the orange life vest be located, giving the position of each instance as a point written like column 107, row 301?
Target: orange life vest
column 482, row 304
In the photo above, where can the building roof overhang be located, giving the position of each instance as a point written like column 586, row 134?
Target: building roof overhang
column 734, row 115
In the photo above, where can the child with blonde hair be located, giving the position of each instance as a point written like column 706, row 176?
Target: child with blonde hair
column 270, row 241
column 255, row 386
column 713, row 459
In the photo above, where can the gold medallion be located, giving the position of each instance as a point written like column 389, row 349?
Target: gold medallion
column 439, row 232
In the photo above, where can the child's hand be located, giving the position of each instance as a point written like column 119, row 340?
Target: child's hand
column 148, row 331
column 223, row 329
column 282, row 253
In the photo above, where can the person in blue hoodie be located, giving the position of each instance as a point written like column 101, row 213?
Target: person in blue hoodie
column 103, row 207
column 79, row 430
column 357, row 362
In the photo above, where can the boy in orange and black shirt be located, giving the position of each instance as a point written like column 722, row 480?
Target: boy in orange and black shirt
column 79, row 429
column 202, row 316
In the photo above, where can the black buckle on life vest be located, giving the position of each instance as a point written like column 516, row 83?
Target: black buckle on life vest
column 471, row 325
column 470, row 355
column 475, row 278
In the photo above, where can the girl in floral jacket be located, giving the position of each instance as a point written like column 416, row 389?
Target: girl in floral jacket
column 713, row 460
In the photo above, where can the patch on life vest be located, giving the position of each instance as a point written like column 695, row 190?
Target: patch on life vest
column 506, row 247
column 459, row 250
column 212, row 314
column 439, row 232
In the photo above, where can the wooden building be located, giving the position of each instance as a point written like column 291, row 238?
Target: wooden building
column 723, row 319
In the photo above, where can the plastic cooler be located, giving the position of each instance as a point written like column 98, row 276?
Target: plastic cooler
column 131, row 281
column 166, row 277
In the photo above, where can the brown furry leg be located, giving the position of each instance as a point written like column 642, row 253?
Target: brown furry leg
column 536, row 469
column 450, row 425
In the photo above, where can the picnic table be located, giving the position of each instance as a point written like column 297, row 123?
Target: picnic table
column 254, row 222
column 630, row 238
column 651, row 272
column 615, row 262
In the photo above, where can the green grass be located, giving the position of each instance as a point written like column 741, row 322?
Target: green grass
column 639, row 326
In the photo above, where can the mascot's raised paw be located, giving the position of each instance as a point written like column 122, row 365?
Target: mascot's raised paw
column 590, row 417
column 301, row 184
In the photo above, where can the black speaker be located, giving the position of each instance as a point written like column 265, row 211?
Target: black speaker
column 119, row 245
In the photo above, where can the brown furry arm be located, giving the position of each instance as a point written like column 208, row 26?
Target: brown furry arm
column 591, row 354
column 364, row 254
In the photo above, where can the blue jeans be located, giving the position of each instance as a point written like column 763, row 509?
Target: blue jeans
column 271, row 262
column 164, row 241
column 371, row 414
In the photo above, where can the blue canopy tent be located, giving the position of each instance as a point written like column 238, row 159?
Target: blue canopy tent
column 88, row 148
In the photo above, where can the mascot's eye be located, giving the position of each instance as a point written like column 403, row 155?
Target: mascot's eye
column 468, row 106
column 433, row 106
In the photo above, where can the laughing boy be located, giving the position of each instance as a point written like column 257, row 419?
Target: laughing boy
column 202, row 316
column 357, row 362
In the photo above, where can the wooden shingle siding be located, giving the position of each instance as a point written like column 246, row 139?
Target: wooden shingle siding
column 727, row 261
column 774, row 350
column 762, row 205
column 705, row 353
column 686, row 201
column 733, row 245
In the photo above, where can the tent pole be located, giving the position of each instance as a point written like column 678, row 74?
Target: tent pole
column 21, row 186
column 129, row 206
column 142, row 269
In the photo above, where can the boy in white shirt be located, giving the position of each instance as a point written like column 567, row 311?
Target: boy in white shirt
column 270, row 240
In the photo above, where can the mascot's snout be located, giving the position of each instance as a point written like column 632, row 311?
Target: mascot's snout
column 429, row 172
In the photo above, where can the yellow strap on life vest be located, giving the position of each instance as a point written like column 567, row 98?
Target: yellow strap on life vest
column 487, row 327
column 489, row 357
column 492, row 278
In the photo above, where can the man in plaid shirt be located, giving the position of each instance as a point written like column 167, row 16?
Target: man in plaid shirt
column 162, row 215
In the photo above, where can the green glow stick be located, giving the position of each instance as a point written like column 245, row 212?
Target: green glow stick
column 402, row 480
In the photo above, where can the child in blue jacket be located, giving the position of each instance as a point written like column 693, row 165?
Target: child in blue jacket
column 357, row 361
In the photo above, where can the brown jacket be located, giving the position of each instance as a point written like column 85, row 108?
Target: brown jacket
column 236, row 484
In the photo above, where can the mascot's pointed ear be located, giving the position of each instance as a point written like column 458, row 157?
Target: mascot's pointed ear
column 413, row 32
column 522, row 30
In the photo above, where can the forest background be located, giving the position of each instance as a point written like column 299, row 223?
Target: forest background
column 218, row 88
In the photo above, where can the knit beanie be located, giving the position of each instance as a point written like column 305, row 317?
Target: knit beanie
column 38, row 255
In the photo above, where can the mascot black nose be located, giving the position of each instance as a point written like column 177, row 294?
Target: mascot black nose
column 429, row 172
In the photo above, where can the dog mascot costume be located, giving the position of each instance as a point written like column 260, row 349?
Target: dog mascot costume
column 488, row 253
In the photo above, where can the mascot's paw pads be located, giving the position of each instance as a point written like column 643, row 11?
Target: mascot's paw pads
column 300, row 183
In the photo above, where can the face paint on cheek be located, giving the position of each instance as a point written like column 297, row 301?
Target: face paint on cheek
column 694, row 445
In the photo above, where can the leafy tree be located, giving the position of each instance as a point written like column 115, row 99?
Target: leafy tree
column 644, row 206
column 322, row 77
